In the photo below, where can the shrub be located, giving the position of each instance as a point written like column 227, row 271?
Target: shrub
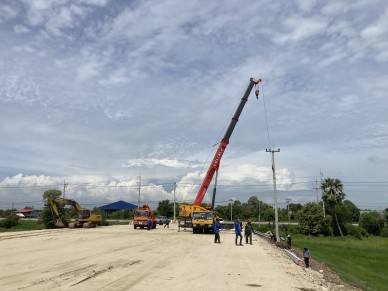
column 10, row 221
column 355, row 231
column 289, row 229
column 384, row 232
column 373, row 222
column 312, row 221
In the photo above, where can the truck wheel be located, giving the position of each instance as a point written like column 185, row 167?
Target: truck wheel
column 135, row 226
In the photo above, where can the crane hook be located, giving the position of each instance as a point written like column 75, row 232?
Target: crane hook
column 257, row 93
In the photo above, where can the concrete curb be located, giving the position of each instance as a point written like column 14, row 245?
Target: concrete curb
column 296, row 259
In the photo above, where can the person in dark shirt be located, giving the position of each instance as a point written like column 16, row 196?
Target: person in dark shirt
column 248, row 232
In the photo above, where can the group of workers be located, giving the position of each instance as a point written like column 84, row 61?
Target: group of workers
column 248, row 232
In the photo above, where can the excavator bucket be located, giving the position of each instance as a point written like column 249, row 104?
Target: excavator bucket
column 59, row 223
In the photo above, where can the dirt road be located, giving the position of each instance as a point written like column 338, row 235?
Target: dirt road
column 121, row 258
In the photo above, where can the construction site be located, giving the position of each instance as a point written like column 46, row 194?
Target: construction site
column 124, row 258
column 141, row 256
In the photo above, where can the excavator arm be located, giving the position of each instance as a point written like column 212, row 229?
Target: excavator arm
column 54, row 211
column 84, row 217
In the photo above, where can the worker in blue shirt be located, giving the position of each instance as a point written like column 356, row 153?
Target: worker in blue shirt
column 237, row 230
column 217, row 231
column 167, row 223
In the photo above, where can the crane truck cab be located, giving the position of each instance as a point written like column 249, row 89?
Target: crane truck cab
column 143, row 217
column 203, row 221
column 199, row 218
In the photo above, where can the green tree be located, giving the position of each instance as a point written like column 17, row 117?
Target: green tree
column 282, row 214
column 372, row 222
column 269, row 214
column 294, row 210
column 246, row 212
column 333, row 195
column 165, row 208
column 354, row 210
column 254, row 205
column 222, row 211
column 53, row 193
column 312, row 221
column 386, row 214
column 237, row 209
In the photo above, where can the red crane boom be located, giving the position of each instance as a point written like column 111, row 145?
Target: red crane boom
column 224, row 142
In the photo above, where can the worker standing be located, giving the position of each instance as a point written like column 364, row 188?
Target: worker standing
column 149, row 223
column 167, row 223
column 248, row 232
column 237, row 230
column 289, row 240
column 306, row 257
column 217, row 231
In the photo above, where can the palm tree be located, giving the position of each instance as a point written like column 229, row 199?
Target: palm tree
column 333, row 195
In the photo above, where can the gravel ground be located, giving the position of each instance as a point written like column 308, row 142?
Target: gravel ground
column 122, row 258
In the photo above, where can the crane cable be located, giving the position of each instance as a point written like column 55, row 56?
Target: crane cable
column 265, row 114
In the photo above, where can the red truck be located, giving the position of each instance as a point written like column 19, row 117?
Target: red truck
column 143, row 217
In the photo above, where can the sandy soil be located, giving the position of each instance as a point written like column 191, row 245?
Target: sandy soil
column 122, row 258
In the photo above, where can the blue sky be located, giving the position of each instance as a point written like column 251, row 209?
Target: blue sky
column 97, row 93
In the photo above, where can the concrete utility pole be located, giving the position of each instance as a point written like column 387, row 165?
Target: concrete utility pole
column 64, row 191
column 259, row 210
column 288, row 208
column 275, row 194
column 231, row 209
column 64, row 188
column 323, row 202
column 174, row 201
column 138, row 188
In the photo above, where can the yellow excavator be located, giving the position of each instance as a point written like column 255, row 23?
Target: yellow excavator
column 84, row 216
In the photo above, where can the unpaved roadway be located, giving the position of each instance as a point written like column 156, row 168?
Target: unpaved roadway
column 122, row 258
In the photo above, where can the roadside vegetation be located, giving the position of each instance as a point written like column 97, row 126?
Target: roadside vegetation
column 14, row 223
column 361, row 263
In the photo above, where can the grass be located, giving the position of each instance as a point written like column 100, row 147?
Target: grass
column 24, row 225
column 361, row 263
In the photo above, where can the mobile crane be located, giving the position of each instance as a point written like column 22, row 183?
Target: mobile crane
column 143, row 217
column 84, row 217
column 202, row 218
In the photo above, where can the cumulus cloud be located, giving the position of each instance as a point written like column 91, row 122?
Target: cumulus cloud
column 150, row 163
column 104, row 91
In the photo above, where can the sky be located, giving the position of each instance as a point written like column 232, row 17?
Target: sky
column 128, row 100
